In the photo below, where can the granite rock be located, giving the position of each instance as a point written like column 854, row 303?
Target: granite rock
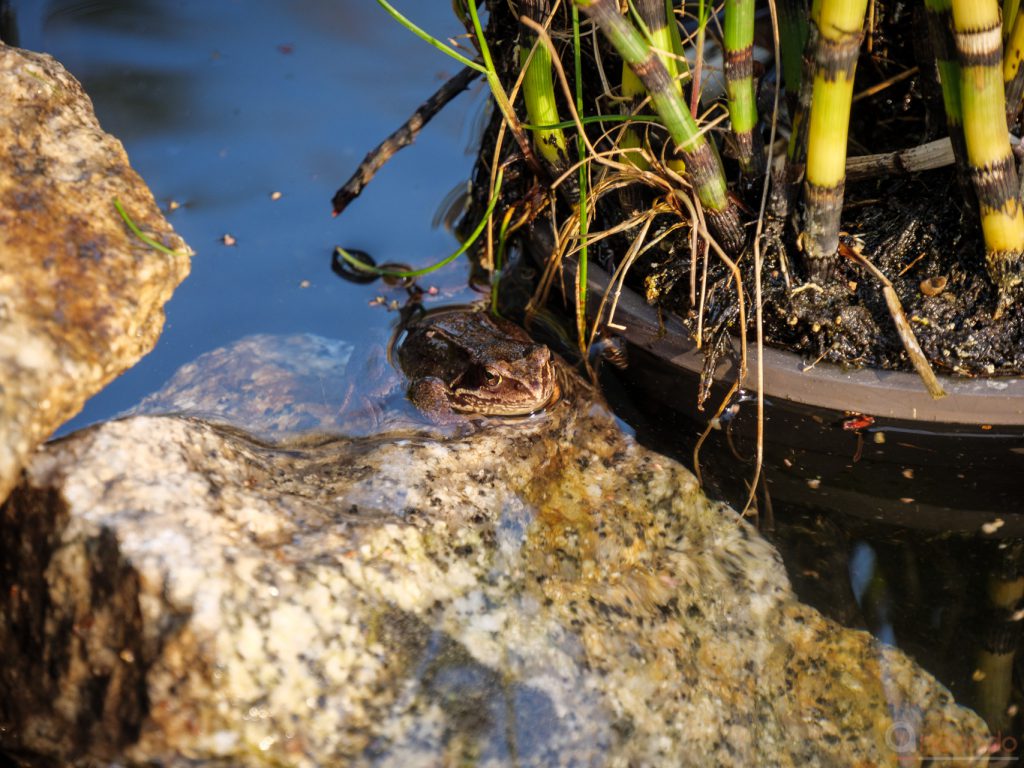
column 532, row 592
column 81, row 297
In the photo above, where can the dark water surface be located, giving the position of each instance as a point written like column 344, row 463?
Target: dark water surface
column 220, row 104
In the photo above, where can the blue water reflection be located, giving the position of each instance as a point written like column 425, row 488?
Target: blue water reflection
column 219, row 105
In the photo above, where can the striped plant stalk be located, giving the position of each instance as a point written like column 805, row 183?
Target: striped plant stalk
column 976, row 30
column 738, row 41
column 655, row 16
column 797, row 150
column 677, row 42
column 838, row 26
column 539, row 90
column 659, row 22
column 792, row 41
column 940, row 31
column 1013, row 72
column 703, row 166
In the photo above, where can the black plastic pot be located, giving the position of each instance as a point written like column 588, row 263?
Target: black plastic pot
column 863, row 442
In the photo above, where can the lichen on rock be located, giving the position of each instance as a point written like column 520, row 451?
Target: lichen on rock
column 539, row 591
column 81, row 297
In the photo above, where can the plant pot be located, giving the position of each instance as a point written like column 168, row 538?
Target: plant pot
column 865, row 442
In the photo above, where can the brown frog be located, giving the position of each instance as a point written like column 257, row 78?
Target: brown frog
column 468, row 362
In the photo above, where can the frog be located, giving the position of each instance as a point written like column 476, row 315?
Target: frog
column 457, row 365
column 462, row 363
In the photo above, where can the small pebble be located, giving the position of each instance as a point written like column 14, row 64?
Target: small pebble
column 275, row 195
column 228, row 239
column 305, row 284
column 814, row 483
column 908, row 473
column 993, row 526
column 933, row 286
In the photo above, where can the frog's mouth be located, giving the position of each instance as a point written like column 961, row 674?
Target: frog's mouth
column 484, row 391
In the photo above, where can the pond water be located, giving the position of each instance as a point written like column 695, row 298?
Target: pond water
column 220, row 105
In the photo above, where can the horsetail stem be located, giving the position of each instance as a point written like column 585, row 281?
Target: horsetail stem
column 940, row 31
column 793, row 39
column 657, row 22
column 976, row 30
column 838, row 26
column 738, row 42
column 539, row 90
column 1013, row 72
column 703, row 166
column 654, row 16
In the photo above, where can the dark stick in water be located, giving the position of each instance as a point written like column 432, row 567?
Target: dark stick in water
column 400, row 139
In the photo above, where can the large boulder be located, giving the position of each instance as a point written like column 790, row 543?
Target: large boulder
column 81, row 297
column 535, row 592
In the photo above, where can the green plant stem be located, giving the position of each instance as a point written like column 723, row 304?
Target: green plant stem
column 362, row 266
column 703, row 166
column 738, row 41
column 539, row 95
column 976, row 31
column 487, row 69
column 940, row 31
column 837, row 26
column 430, row 39
column 1013, row 72
column 143, row 236
column 793, row 16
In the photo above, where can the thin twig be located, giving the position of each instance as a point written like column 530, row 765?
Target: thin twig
column 899, row 319
column 401, row 138
column 758, row 325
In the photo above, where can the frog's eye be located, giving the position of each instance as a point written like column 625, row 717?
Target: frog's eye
column 491, row 379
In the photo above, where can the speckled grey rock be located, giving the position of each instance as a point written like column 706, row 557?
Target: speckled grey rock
column 537, row 592
column 81, row 298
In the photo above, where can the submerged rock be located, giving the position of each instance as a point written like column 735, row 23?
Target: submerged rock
column 81, row 297
column 534, row 592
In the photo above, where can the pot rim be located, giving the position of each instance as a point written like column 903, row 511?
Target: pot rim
column 891, row 394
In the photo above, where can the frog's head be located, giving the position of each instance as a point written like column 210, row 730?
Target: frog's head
column 515, row 386
column 465, row 361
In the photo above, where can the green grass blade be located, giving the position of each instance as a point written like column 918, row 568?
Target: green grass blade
column 362, row 266
column 427, row 37
column 143, row 236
